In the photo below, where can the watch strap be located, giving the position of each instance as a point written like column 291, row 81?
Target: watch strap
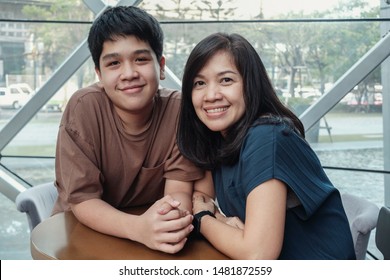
column 197, row 222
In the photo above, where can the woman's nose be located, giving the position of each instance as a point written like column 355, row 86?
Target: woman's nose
column 212, row 93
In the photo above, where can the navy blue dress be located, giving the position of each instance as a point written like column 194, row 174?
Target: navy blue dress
column 316, row 224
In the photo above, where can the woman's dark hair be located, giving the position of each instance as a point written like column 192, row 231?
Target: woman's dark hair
column 124, row 21
column 207, row 148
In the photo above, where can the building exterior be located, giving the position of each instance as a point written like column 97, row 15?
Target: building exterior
column 14, row 37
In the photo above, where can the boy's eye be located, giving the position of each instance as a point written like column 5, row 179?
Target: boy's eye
column 112, row 63
column 142, row 59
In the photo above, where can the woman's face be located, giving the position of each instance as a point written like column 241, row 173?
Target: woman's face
column 217, row 93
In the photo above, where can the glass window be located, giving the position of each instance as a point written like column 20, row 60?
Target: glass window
column 306, row 46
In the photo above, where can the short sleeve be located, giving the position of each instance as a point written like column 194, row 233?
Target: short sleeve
column 179, row 168
column 78, row 177
column 272, row 151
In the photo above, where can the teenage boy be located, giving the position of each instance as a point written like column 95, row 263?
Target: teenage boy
column 116, row 145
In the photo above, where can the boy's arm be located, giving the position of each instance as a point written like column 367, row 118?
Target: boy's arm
column 156, row 231
column 205, row 185
column 183, row 191
column 180, row 191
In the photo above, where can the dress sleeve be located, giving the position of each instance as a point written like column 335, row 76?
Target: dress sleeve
column 270, row 151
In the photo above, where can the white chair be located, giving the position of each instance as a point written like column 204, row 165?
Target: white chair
column 37, row 202
column 382, row 234
column 362, row 217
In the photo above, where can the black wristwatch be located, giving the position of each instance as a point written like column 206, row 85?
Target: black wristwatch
column 196, row 222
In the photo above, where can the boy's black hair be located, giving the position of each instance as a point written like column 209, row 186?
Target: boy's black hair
column 124, row 21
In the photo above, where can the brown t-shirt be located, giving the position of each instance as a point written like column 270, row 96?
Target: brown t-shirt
column 96, row 158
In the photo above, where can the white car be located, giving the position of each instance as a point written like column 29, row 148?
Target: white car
column 21, row 88
column 11, row 98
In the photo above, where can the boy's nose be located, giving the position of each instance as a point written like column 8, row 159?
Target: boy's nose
column 129, row 71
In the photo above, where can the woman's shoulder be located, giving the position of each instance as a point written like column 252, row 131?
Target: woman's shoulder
column 271, row 134
column 273, row 126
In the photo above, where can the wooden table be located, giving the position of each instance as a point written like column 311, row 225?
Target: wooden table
column 62, row 236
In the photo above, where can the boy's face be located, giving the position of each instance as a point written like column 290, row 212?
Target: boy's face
column 130, row 74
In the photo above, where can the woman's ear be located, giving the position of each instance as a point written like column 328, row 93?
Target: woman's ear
column 162, row 68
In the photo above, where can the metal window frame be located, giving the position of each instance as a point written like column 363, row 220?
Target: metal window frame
column 373, row 58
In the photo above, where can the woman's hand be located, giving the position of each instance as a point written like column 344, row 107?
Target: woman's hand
column 231, row 221
column 202, row 202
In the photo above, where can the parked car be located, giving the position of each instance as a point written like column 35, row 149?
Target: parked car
column 12, row 98
column 21, row 88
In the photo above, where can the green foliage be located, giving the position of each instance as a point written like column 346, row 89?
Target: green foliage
column 59, row 40
column 295, row 53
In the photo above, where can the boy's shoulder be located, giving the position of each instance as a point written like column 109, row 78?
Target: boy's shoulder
column 169, row 93
column 93, row 88
column 92, row 92
column 87, row 99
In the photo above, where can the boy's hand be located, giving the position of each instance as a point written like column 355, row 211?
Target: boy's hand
column 165, row 226
column 171, row 204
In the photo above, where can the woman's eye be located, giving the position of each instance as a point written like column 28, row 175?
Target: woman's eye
column 198, row 83
column 226, row 80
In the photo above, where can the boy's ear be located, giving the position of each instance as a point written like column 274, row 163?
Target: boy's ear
column 162, row 68
column 98, row 73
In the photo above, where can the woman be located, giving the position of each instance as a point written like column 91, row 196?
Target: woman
column 264, row 172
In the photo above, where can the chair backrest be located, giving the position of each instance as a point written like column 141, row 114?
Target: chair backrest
column 362, row 217
column 382, row 235
column 37, row 202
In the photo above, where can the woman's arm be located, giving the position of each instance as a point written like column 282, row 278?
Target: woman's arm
column 204, row 190
column 262, row 236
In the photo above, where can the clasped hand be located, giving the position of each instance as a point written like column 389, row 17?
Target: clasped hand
column 166, row 227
